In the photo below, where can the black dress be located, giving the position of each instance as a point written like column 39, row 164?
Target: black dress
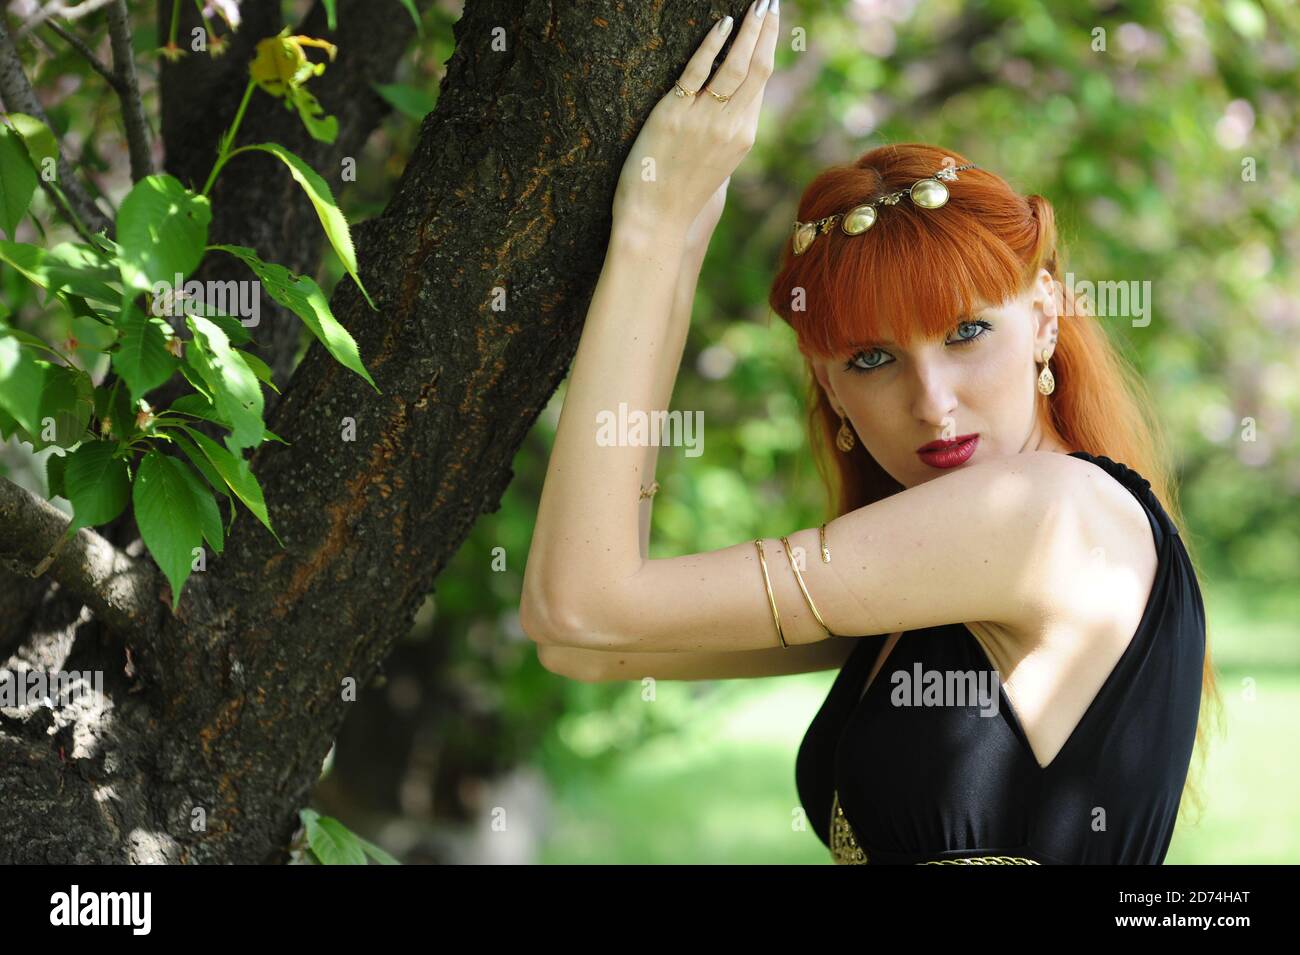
column 907, row 784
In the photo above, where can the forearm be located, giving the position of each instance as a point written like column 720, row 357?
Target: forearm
column 588, row 520
column 679, row 327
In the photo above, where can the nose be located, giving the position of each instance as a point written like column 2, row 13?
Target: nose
column 934, row 400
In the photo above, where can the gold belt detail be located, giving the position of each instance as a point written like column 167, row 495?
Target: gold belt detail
column 846, row 850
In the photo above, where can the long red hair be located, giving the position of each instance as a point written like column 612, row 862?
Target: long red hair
column 913, row 274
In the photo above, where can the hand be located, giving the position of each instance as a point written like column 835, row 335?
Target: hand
column 690, row 144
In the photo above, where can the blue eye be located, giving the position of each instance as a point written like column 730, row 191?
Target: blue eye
column 981, row 327
column 853, row 366
column 978, row 323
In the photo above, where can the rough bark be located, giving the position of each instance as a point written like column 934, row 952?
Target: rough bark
column 239, row 695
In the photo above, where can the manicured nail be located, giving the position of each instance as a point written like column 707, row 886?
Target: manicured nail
column 761, row 9
column 776, row 6
column 724, row 25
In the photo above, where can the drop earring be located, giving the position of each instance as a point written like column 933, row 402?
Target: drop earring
column 844, row 439
column 1046, row 380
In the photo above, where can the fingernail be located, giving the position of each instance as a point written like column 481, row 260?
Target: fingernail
column 776, row 6
column 724, row 25
column 761, row 9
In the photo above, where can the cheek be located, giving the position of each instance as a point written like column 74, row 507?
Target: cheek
column 999, row 372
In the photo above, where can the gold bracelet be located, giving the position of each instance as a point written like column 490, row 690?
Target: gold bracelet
column 645, row 493
column 826, row 551
column 771, row 599
column 806, row 596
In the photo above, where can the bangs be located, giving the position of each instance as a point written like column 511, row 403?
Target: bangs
column 914, row 274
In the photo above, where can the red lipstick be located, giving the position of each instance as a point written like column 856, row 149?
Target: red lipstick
column 948, row 454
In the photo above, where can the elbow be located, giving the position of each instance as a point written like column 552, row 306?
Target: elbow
column 549, row 626
column 549, row 621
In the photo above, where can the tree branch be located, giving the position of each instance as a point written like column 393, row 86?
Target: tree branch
column 88, row 55
column 19, row 97
column 122, row 591
column 133, row 119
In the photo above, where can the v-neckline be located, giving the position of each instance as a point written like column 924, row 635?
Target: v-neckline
column 1004, row 701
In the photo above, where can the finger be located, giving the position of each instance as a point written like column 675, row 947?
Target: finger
column 735, row 67
column 761, row 64
column 696, row 73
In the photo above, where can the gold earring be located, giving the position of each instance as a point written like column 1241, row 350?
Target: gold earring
column 1046, row 381
column 844, row 439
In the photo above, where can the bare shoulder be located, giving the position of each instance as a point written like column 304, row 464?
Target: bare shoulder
column 1114, row 549
column 1096, row 554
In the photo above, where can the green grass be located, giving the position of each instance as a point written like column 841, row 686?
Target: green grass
column 721, row 789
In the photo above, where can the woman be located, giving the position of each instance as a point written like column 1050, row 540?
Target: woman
column 981, row 528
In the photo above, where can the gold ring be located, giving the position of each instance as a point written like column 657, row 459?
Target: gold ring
column 720, row 97
column 682, row 90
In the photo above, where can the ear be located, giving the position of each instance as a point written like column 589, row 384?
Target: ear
column 1046, row 304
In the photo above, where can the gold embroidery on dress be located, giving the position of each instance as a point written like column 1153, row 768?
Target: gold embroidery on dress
column 844, row 841
column 846, row 850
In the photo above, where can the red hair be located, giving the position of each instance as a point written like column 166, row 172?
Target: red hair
column 916, row 272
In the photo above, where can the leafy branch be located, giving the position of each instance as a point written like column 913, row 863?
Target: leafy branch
column 127, row 297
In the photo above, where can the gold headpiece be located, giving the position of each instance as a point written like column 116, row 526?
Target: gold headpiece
column 928, row 193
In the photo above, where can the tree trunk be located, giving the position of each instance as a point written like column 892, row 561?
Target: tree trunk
column 482, row 266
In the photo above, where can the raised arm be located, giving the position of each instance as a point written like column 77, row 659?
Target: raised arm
column 588, row 525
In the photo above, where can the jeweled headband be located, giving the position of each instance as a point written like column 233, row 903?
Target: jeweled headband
column 928, row 193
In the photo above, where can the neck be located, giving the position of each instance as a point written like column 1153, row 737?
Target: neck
column 1044, row 438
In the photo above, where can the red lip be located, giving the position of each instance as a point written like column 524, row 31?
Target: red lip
column 948, row 454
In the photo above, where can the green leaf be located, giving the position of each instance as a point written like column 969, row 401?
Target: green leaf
column 318, row 125
column 260, row 368
column 408, row 100
column 65, row 403
column 302, row 296
column 167, row 515
column 68, row 267
column 199, row 406
column 92, row 335
column 336, row 227
column 237, row 475
column 17, row 180
column 21, row 380
column 331, row 841
column 55, row 465
column 142, row 359
column 206, row 509
column 235, row 330
column 204, row 467
column 330, row 13
column 96, row 483
column 376, row 853
column 114, row 406
column 162, row 228
column 8, row 426
column 196, row 381
column 235, row 388
column 35, row 136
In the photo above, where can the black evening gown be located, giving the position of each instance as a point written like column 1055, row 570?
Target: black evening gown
column 952, row 784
